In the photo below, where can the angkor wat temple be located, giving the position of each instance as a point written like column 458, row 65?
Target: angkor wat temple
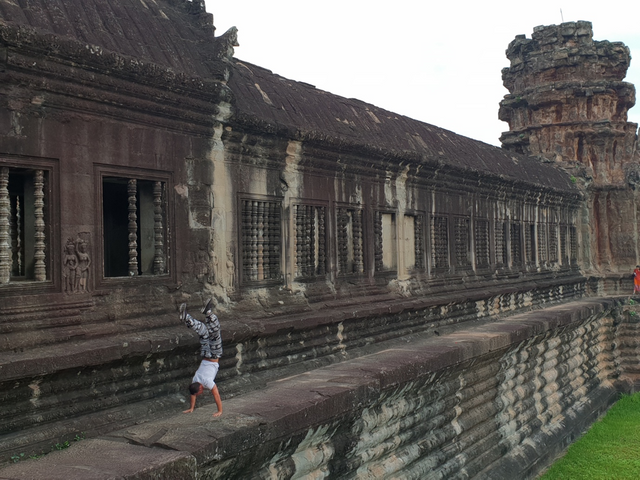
column 396, row 300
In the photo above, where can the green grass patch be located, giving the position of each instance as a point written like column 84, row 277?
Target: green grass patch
column 609, row 450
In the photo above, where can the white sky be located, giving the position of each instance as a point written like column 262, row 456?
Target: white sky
column 436, row 61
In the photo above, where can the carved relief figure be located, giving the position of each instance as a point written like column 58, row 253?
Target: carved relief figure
column 70, row 266
column 231, row 271
column 75, row 265
column 214, row 277
column 83, row 266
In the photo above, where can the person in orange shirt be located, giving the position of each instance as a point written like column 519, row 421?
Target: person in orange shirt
column 636, row 280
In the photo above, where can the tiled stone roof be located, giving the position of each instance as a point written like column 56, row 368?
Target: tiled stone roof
column 179, row 35
column 280, row 103
column 174, row 34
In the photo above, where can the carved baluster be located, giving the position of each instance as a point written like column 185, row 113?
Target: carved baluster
column 358, row 263
column 40, row 271
column 158, row 228
column 15, row 235
column 5, row 247
column 322, row 252
column 132, row 188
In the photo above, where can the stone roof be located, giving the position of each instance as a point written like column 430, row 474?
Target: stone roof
column 179, row 35
column 170, row 33
column 311, row 114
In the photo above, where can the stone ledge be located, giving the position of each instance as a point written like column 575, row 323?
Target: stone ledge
column 290, row 406
column 109, row 460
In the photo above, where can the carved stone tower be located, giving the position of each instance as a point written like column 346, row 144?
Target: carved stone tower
column 567, row 99
column 568, row 103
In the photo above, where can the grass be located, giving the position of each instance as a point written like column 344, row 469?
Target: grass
column 609, row 450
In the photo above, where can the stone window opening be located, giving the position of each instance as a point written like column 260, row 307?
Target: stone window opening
column 135, row 233
column 25, row 225
column 462, row 236
column 440, row 242
column 413, row 245
column 501, row 242
column 261, row 226
column 481, row 243
column 310, row 241
column 542, row 244
column 386, row 250
column 530, row 243
column 516, row 244
column 349, row 233
column 553, row 243
column 564, row 257
column 573, row 244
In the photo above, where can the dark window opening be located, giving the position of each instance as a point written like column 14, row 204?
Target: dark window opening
column 135, row 227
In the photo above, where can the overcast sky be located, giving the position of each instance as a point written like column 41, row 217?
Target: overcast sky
column 439, row 62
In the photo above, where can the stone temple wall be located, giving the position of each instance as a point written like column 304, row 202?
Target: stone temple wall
column 325, row 229
column 499, row 399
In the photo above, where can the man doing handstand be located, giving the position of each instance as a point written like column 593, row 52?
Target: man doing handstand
column 211, row 351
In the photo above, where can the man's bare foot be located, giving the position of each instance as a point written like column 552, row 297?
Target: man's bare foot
column 188, row 411
column 217, row 414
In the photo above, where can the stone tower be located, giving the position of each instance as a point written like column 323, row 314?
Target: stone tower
column 568, row 103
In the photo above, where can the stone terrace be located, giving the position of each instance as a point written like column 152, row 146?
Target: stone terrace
column 486, row 399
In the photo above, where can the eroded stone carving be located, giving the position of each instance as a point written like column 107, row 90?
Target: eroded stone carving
column 70, row 266
column 75, row 264
column 231, row 272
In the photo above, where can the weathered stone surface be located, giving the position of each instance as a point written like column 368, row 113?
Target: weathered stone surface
column 495, row 400
column 345, row 248
column 109, row 460
column 567, row 103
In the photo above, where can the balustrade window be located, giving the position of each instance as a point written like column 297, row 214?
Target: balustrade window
column 349, row 231
column 414, row 251
column 482, row 243
column 310, row 240
column 529, row 243
column 564, row 258
column 261, row 240
column 462, row 241
column 440, row 242
column 501, row 242
column 553, row 243
column 573, row 244
column 134, row 227
column 542, row 243
column 385, row 241
column 516, row 243
column 24, row 225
